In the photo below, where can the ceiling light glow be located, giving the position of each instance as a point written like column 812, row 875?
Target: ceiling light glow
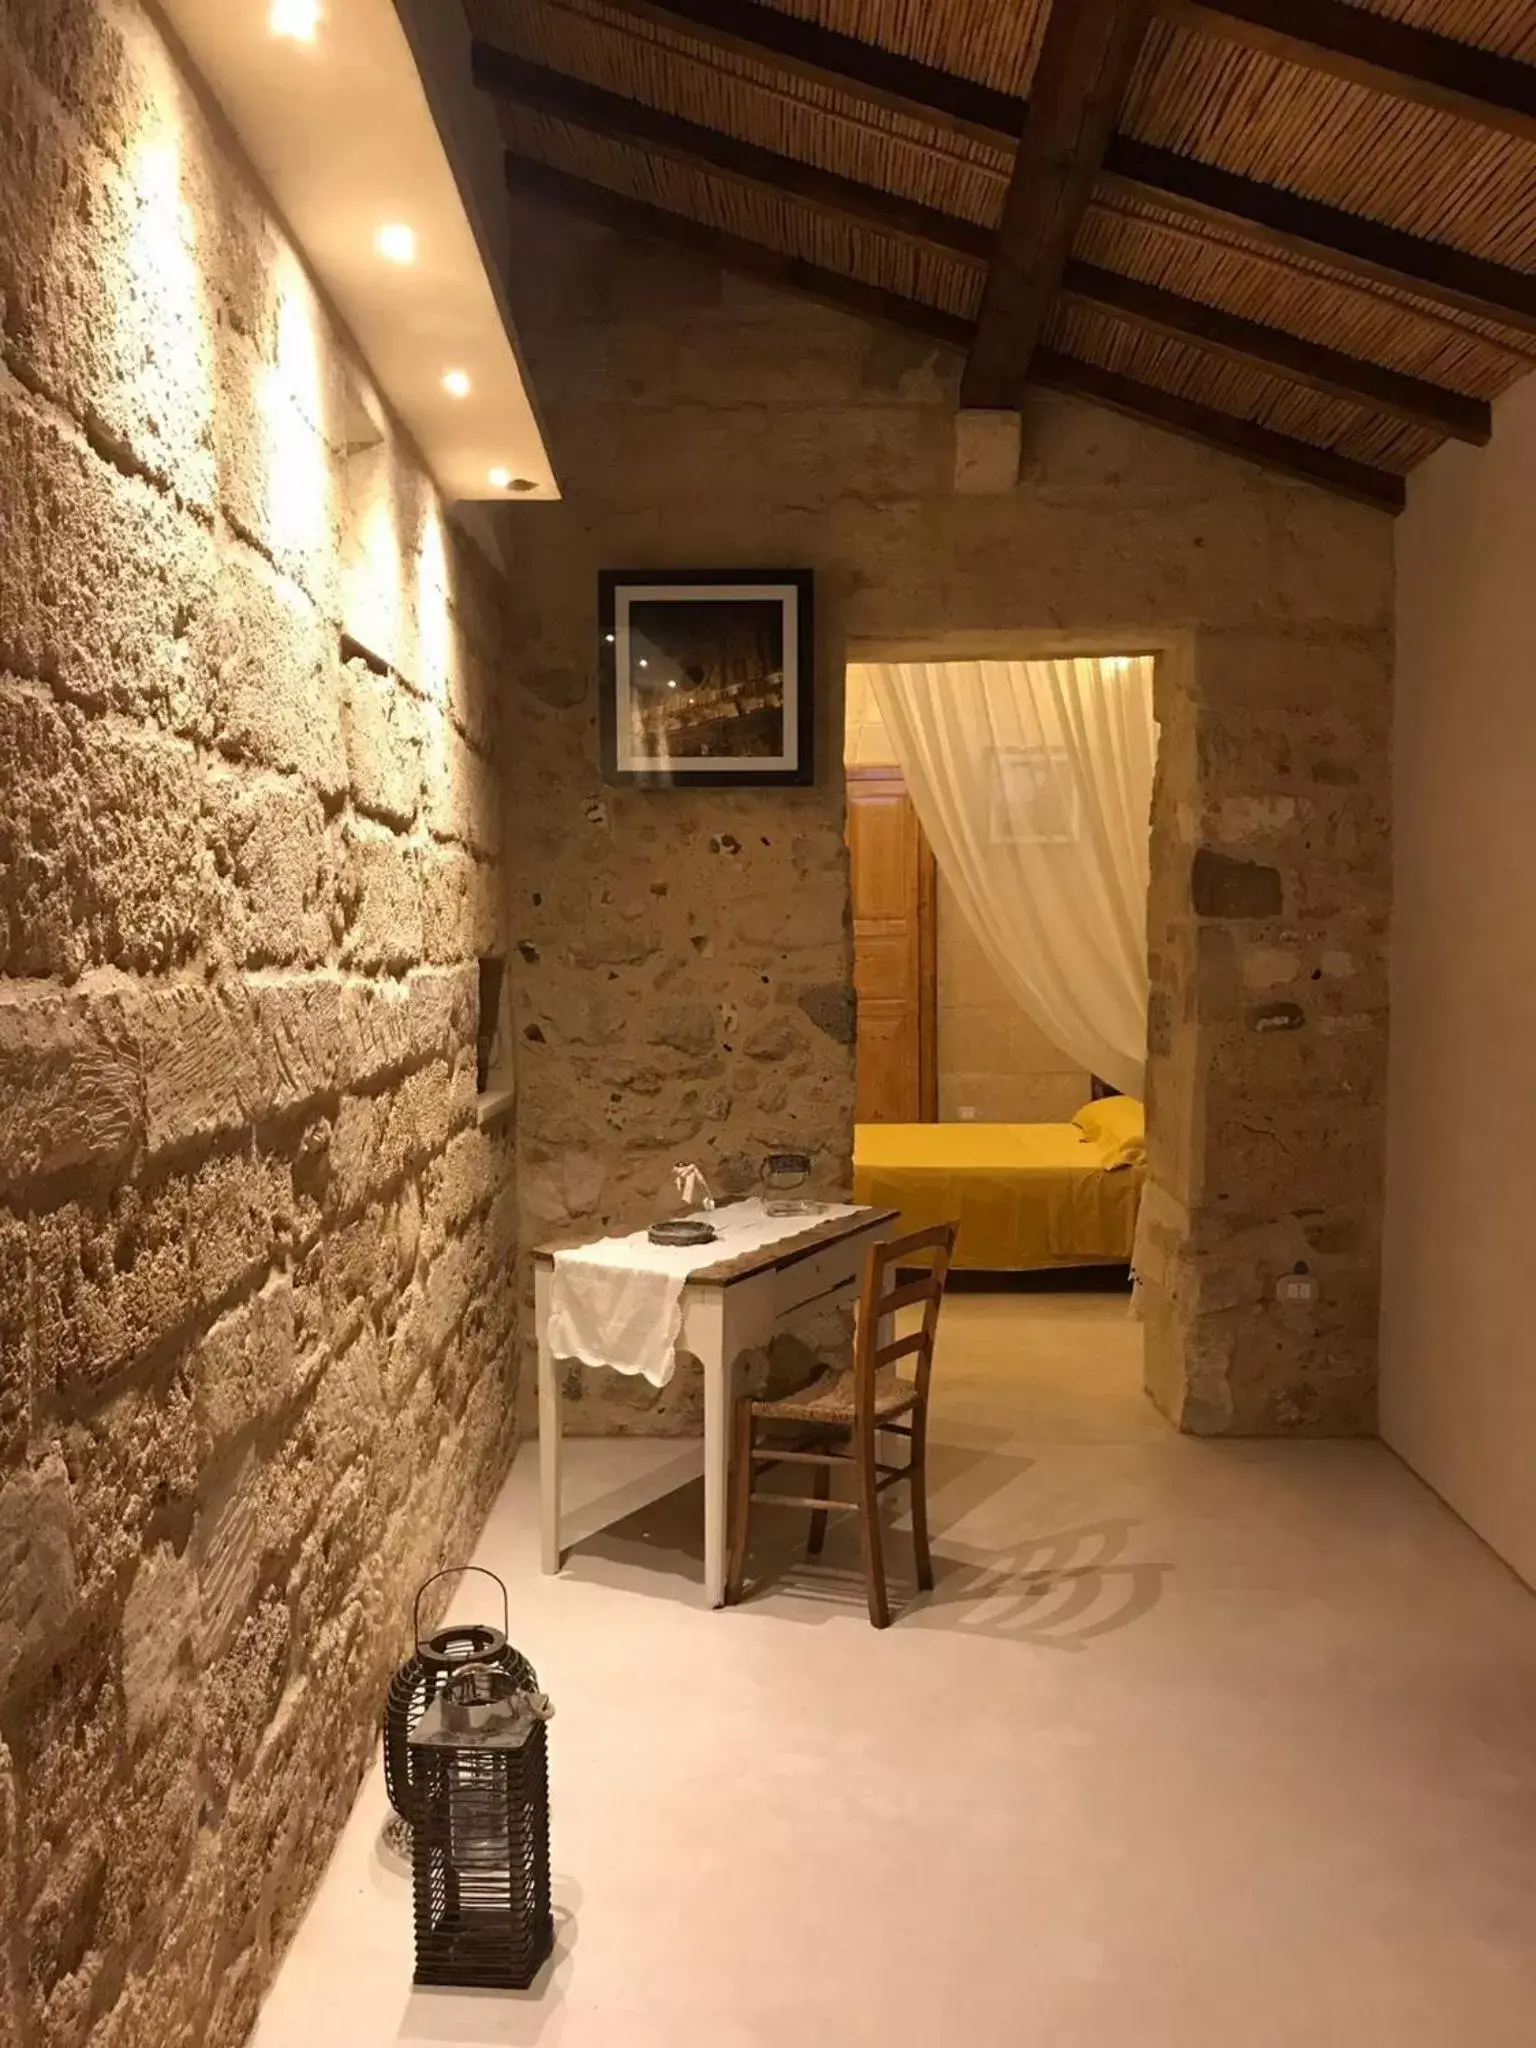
column 457, row 384
column 396, row 242
column 501, row 479
column 297, row 20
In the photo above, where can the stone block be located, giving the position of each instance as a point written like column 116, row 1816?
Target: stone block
column 15, row 1336
column 988, row 446
column 98, row 571
column 245, row 1369
column 270, row 675
column 445, row 1294
column 1267, row 1153
column 228, row 1549
column 460, row 1182
column 135, row 1456
column 419, row 1116
column 385, row 731
column 99, row 835
column 686, row 1027
column 462, row 797
column 391, row 1025
column 346, row 1411
column 352, row 1153
column 71, row 1087
column 106, row 310
column 1222, row 887
column 67, row 1741
column 10, row 1901
column 277, row 400
column 112, row 1279
column 242, row 1687
column 384, row 897
column 279, row 884
column 241, row 1212
column 159, row 1623
column 833, row 1008
column 39, row 1587
column 202, row 1065
column 153, row 1824
column 85, row 62
column 300, row 1041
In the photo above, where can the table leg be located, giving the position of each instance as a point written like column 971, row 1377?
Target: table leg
column 719, row 1399
column 549, row 1429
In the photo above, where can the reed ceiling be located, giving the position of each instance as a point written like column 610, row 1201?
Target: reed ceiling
column 1363, row 151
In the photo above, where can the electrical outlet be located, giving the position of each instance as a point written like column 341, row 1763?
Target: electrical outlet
column 966, row 1112
column 1296, row 1289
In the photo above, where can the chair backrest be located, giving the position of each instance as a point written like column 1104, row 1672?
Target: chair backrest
column 884, row 1294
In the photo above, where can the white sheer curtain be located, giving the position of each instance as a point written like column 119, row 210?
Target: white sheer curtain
column 1033, row 781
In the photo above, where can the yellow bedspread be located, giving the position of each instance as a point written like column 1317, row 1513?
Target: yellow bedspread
column 1027, row 1196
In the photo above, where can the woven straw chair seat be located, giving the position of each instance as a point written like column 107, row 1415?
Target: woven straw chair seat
column 830, row 1399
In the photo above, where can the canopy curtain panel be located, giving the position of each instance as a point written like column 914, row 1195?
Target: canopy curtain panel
column 1033, row 782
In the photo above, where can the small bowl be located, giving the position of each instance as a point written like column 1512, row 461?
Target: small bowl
column 682, row 1230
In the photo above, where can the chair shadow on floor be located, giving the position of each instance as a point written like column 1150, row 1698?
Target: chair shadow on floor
column 657, row 1546
column 1060, row 1589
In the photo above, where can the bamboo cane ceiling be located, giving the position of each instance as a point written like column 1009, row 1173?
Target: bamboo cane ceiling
column 1430, row 171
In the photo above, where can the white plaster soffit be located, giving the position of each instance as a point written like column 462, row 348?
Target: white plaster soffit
column 359, row 127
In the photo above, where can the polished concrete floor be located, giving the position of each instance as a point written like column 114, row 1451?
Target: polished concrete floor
column 1193, row 1746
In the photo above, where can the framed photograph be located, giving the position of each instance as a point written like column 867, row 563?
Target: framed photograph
column 1034, row 797
column 707, row 677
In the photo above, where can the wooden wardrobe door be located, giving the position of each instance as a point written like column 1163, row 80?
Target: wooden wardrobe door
column 893, row 951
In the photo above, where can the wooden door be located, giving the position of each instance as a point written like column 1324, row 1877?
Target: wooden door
column 893, row 951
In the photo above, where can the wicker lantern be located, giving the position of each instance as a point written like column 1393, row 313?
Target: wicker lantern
column 480, row 1832
column 422, row 1678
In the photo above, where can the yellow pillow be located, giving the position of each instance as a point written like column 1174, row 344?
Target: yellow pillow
column 1118, row 1126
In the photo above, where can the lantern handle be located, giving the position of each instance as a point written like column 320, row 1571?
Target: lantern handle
column 448, row 1572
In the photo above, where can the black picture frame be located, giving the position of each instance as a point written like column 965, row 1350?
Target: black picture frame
column 744, row 616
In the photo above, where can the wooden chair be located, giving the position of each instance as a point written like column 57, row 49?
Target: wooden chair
column 856, row 1406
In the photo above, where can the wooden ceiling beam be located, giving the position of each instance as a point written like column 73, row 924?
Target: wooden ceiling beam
column 1086, row 60
column 828, row 193
column 614, row 210
column 1203, row 423
column 1307, row 227
column 1327, row 370
column 1373, row 50
column 637, row 217
column 845, row 63
column 638, row 126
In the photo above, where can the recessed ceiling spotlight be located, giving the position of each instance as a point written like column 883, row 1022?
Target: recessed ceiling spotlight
column 298, row 20
column 395, row 242
column 501, row 479
column 457, row 384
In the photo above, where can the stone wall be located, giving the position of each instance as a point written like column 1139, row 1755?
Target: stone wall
column 255, row 1338
column 682, row 960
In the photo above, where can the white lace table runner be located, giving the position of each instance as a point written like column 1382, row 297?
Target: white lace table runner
column 619, row 1302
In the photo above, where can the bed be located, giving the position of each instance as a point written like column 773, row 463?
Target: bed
column 1028, row 1197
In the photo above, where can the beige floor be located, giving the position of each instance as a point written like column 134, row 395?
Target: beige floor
column 1194, row 1746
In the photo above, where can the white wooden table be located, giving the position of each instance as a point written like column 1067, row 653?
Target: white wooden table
column 728, row 1309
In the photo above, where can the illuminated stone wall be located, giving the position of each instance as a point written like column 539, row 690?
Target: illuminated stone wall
column 682, row 959
column 254, row 1324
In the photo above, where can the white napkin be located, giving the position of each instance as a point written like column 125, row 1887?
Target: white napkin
column 619, row 1302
